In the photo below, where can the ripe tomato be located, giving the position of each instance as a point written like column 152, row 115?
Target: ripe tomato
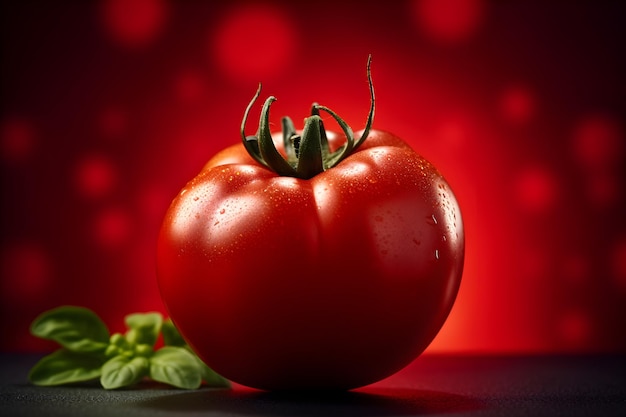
column 331, row 281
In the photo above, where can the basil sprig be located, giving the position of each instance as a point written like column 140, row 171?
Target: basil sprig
column 89, row 352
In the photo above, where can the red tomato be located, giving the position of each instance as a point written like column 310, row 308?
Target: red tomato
column 330, row 282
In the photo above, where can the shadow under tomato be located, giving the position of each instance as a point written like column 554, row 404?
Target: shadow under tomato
column 367, row 403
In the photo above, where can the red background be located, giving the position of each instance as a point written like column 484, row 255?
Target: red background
column 109, row 107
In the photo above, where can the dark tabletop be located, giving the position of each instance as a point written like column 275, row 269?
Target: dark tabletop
column 589, row 385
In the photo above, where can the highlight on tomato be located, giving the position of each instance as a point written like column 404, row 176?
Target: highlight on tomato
column 315, row 260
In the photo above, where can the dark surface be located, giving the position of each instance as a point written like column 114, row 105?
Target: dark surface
column 432, row 385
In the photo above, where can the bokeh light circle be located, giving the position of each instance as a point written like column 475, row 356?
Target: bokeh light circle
column 536, row 189
column 26, row 271
column 517, row 104
column 133, row 23
column 189, row 86
column 254, row 42
column 576, row 269
column 618, row 263
column 574, row 328
column 598, row 142
column 152, row 202
column 95, row 176
column 17, row 139
column 112, row 122
column 452, row 134
column 112, row 227
column 602, row 188
column 449, row 21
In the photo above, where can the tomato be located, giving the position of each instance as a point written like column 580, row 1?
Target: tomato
column 332, row 280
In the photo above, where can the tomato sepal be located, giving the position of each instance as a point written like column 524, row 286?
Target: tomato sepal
column 307, row 154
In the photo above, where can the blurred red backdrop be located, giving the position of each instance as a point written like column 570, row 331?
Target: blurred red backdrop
column 109, row 107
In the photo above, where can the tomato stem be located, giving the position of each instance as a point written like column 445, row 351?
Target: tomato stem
column 306, row 154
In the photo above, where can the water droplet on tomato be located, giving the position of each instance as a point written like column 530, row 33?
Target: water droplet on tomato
column 432, row 220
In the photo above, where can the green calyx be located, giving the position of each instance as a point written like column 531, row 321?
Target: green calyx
column 308, row 153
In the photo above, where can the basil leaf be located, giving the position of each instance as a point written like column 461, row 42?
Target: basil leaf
column 75, row 328
column 175, row 366
column 122, row 371
column 144, row 328
column 210, row 377
column 171, row 336
column 63, row 367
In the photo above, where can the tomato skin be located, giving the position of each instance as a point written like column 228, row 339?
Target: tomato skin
column 334, row 282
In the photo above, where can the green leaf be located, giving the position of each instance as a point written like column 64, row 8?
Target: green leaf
column 144, row 328
column 171, row 336
column 310, row 161
column 75, row 328
column 210, row 377
column 122, row 371
column 63, row 367
column 175, row 366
